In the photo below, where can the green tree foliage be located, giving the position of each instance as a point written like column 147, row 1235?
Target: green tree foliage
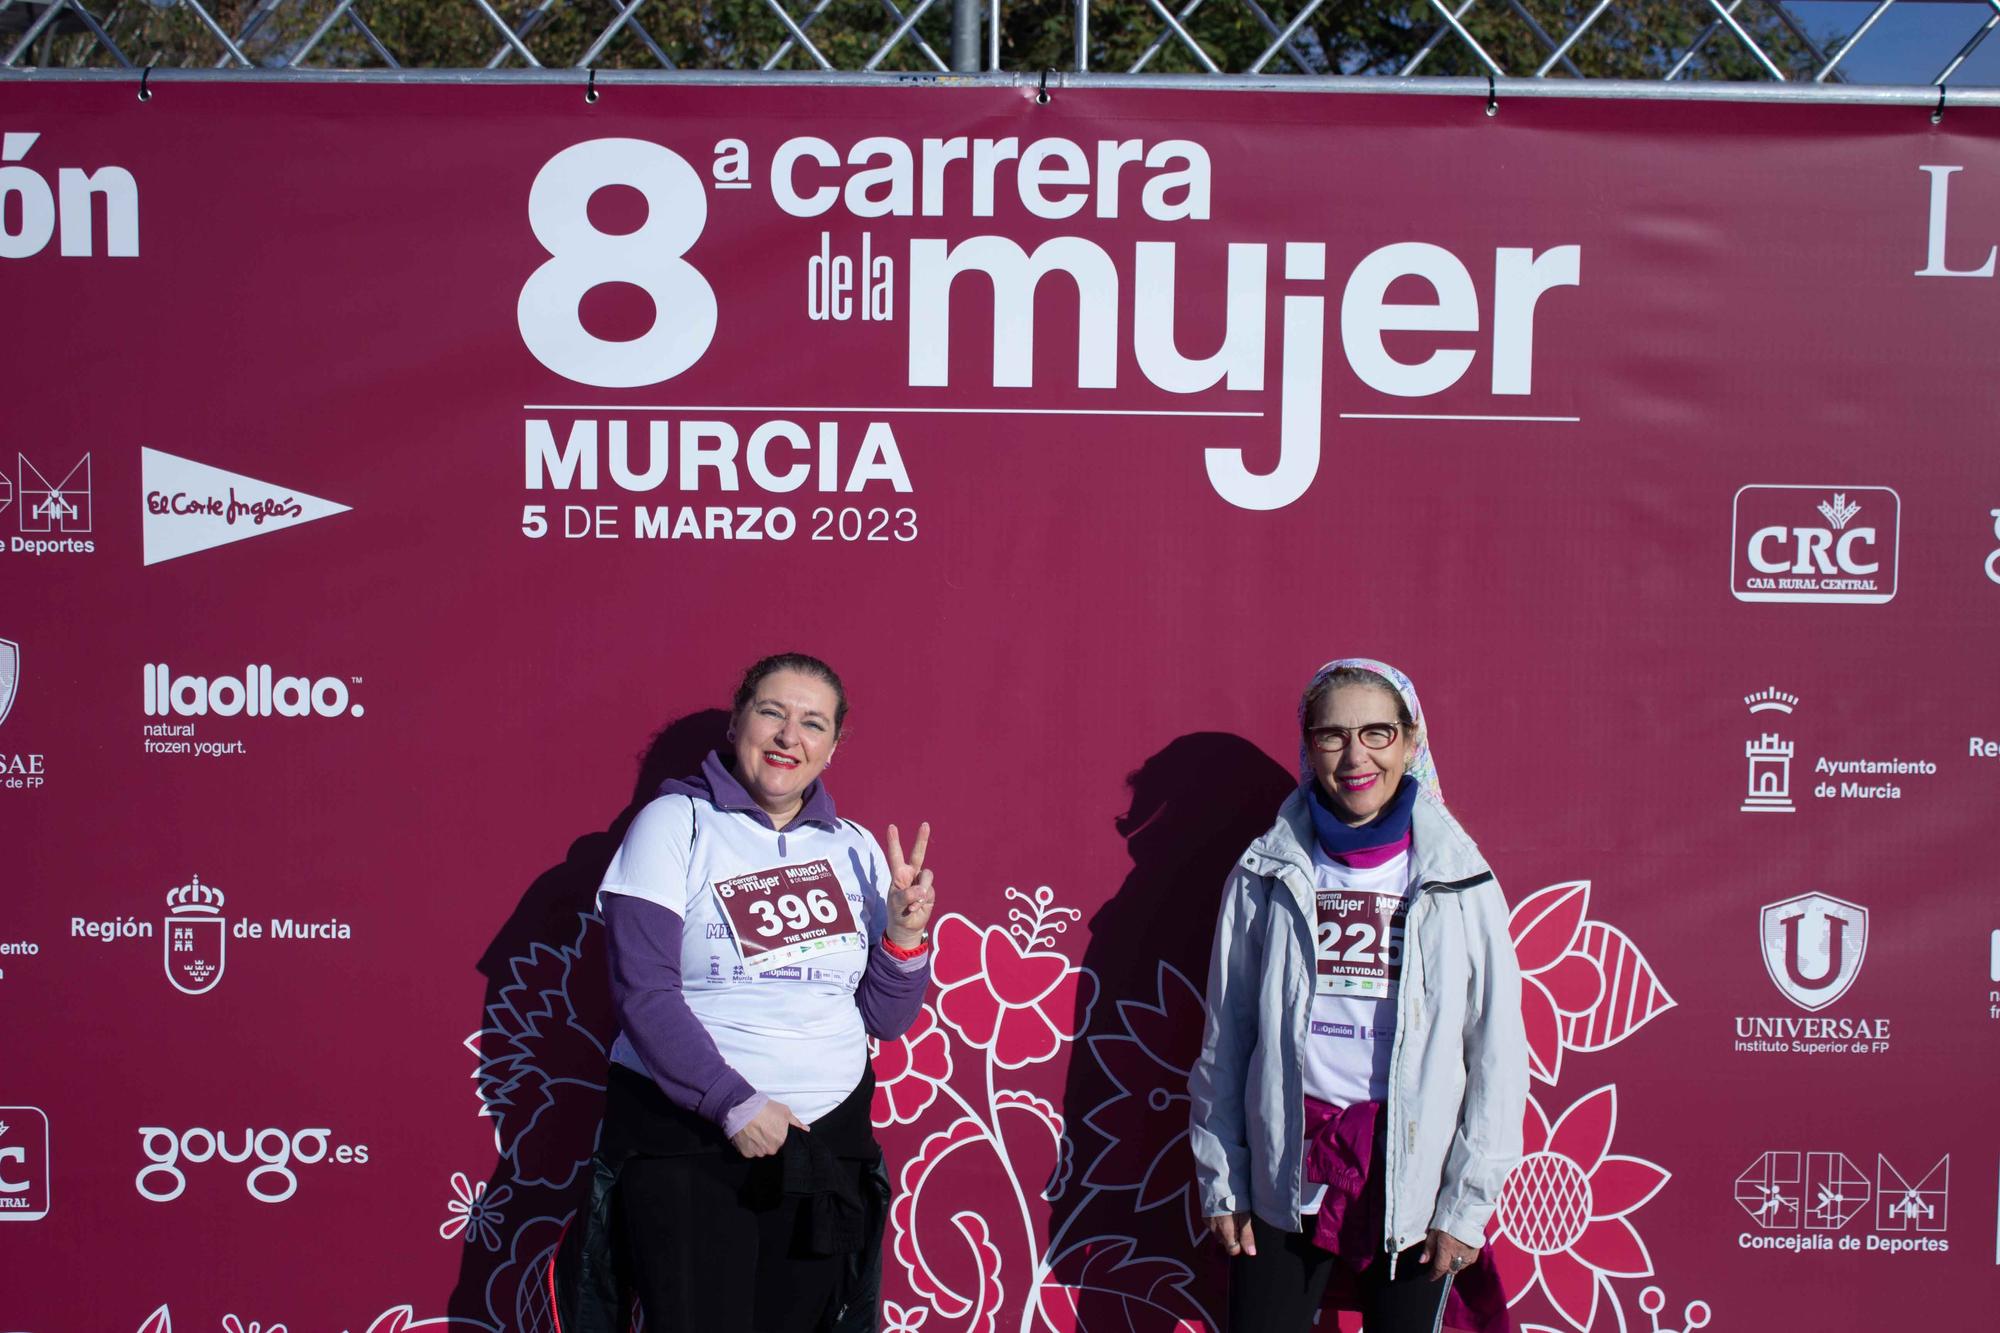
column 1633, row 39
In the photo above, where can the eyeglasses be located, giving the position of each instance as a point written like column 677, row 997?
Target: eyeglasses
column 1373, row 736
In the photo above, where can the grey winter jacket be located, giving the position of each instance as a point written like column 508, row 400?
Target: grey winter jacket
column 1458, row 1069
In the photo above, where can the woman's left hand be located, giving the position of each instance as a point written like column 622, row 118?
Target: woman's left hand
column 912, row 895
column 1445, row 1254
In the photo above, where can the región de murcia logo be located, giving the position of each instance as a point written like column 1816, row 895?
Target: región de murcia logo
column 195, row 936
column 196, row 930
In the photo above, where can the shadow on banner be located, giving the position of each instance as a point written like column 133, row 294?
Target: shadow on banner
column 542, row 1049
column 1193, row 807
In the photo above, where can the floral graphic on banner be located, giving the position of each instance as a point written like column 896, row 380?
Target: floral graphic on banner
column 996, row 1226
column 909, row 1071
column 1145, row 1125
column 1563, row 1220
column 1563, row 1224
column 1584, row 985
column 397, row 1319
column 475, row 1212
column 542, row 1065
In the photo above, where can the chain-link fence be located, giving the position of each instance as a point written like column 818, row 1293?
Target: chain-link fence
column 1675, row 41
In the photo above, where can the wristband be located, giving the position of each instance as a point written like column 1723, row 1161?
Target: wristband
column 895, row 950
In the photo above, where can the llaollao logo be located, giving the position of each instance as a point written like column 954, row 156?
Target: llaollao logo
column 257, row 692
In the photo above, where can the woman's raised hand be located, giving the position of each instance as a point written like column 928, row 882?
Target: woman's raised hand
column 911, row 893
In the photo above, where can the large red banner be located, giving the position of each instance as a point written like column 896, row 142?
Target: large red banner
column 396, row 478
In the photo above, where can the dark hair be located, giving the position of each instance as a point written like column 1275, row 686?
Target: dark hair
column 1352, row 675
column 802, row 663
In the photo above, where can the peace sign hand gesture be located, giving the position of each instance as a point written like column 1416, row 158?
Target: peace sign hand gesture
column 911, row 893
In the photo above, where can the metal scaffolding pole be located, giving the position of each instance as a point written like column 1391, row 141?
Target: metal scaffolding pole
column 965, row 36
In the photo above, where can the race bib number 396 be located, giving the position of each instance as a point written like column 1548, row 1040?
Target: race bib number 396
column 1360, row 944
column 787, row 913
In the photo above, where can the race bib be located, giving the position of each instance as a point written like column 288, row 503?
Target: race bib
column 786, row 914
column 1360, row 944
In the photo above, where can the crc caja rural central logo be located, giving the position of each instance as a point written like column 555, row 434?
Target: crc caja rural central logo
column 1815, row 544
column 24, row 1164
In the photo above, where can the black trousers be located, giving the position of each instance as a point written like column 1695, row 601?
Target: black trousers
column 707, row 1258
column 712, row 1241
column 1279, row 1289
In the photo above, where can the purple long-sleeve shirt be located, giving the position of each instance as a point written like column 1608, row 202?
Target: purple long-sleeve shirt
column 645, row 954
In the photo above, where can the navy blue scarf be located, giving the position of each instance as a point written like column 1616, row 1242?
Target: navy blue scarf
column 1391, row 825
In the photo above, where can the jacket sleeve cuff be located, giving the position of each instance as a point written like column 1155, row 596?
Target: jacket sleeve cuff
column 1215, row 1205
column 743, row 1113
column 1466, row 1226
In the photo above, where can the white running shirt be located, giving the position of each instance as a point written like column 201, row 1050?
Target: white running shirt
column 791, row 1029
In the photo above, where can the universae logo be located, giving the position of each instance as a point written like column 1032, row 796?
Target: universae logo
column 10, row 675
column 1815, row 544
column 1813, row 945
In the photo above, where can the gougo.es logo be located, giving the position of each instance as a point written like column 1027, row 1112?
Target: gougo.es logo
column 274, row 1152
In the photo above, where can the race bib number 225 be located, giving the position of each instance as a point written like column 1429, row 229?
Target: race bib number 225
column 1360, row 944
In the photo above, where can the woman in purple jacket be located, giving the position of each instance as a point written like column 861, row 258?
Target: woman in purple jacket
column 757, row 941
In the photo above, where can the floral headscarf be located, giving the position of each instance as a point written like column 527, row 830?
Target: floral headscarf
column 1421, row 766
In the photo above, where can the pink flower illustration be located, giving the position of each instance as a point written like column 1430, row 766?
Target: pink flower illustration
column 1145, row 1123
column 908, row 1071
column 1555, row 981
column 1563, row 1220
column 1020, row 1003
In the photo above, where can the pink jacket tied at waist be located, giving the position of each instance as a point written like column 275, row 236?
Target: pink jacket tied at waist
column 1340, row 1153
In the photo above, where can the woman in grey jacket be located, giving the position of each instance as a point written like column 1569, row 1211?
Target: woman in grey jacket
column 1357, row 1103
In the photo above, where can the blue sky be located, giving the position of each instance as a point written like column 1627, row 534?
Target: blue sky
column 1911, row 43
